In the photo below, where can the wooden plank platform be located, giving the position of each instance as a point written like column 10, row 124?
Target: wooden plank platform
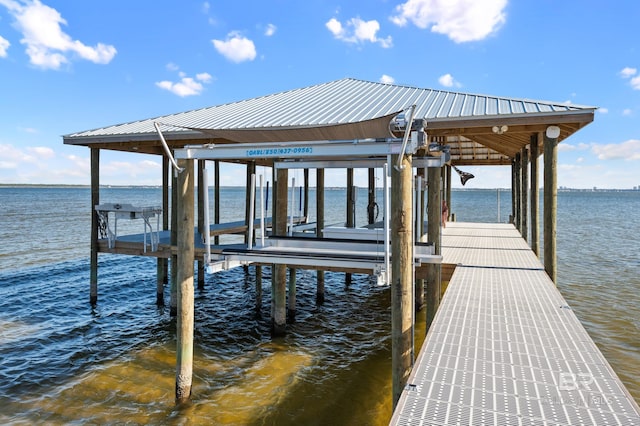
column 505, row 348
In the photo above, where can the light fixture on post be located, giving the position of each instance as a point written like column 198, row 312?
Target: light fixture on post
column 553, row 132
column 500, row 129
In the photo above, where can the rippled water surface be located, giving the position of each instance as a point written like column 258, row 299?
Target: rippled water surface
column 62, row 361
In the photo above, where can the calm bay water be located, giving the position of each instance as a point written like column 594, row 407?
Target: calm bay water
column 62, row 361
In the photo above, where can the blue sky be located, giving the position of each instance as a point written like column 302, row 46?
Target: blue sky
column 67, row 66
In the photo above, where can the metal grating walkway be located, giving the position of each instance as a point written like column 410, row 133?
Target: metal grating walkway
column 505, row 349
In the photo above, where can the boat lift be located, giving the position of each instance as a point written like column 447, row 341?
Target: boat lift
column 365, row 252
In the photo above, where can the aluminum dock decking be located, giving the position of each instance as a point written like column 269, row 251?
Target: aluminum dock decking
column 505, row 348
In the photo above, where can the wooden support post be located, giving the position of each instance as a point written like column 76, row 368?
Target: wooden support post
column 512, row 218
column 95, row 200
column 550, row 205
column 184, row 328
column 202, row 186
column 401, row 276
column 434, row 219
column 306, row 195
column 351, row 212
column 419, row 296
column 319, row 227
column 279, row 274
column 371, row 199
column 291, row 303
column 518, row 217
column 524, row 177
column 258, row 271
column 173, row 292
column 535, row 196
column 216, row 198
column 448, row 196
column 162, row 263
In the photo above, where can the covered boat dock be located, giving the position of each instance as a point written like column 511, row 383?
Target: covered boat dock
column 417, row 136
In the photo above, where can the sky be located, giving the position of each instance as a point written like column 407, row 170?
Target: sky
column 68, row 66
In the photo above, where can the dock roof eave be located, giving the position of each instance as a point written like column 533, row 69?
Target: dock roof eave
column 351, row 109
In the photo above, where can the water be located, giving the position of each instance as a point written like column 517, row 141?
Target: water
column 62, row 361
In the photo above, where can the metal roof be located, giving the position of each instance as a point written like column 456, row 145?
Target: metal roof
column 345, row 106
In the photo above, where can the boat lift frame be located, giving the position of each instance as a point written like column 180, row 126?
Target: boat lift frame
column 363, row 254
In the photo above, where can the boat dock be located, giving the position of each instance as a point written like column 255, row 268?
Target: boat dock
column 505, row 348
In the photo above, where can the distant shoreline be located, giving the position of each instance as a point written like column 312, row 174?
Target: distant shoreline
column 75, row 186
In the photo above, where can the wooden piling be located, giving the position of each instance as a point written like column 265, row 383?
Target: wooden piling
column 434, row 219
column 95, row 200
column 351, row 212
column 550, row 205
column 524, row 177
column 371, row 197
column 306, row 195
column 291, row 301
column 162, row 263
column 185, row 258
column 173, row 292
column 419, row 296
column 258, row 271
column 319, row 227
column 518, row 200
column 448, row 192
column 202, row 186
column 535, row 195
column 279, row 272
column 401, row 275
column 216, row 198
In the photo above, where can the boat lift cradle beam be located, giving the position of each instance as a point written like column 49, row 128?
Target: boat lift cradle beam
column 325, row 149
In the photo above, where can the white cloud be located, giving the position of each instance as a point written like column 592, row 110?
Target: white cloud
column 447, row 80
column 460, row 20
column 356, row 30
column 627, row 112
column 46, row 44
column 631, row 74
column 187, row 86
column 42, row 152
column 628, row 150
column 387, row 79
column 236, row 48
column 206, row 7
column 628, row 72
column 4, row 46
column 271, row 30
column 603, row 110
column 172, row 67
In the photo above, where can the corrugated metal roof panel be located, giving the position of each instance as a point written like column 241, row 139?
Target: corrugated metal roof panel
column 336, row 102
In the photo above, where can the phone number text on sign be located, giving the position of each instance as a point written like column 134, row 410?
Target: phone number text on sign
column 276, row 152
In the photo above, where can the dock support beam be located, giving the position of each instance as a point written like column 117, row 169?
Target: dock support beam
column 550, row 204
column 279, row 272
column 401, row 276
column 184, row 328
column 434, row 219
column 371, row 199
column 95, row 200
column 535, row 195
column 319, row 227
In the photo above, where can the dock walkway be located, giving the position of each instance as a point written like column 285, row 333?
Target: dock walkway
column 505, row 348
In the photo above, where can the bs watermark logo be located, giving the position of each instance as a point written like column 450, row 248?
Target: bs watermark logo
column 572, row 381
